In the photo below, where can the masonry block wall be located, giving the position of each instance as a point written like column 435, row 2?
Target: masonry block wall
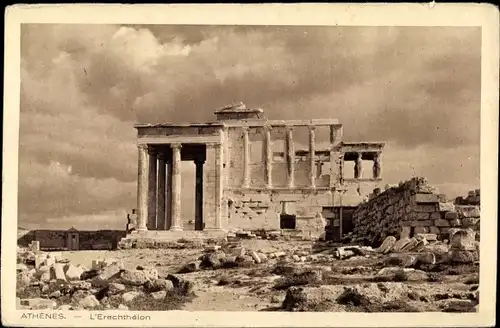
column 410, row 208
column 88, row 240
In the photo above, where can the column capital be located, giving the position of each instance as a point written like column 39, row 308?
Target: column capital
column 289, row 128
column 176, row 145
column 245, row 128
column 142, row 146
column 312, row 128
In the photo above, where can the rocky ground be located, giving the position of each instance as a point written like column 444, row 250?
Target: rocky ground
column 411, row 275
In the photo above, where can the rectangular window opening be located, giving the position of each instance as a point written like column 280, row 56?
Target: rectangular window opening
column 288, row 221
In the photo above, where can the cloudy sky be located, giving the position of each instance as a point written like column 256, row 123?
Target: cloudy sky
column 84, row 86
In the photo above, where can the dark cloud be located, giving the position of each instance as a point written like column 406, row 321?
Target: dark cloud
column 83, row 88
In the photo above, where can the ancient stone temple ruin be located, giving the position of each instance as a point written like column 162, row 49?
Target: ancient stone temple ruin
column 252, row 174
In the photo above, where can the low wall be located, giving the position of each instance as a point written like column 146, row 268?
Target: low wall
column 88, row 240
column 410, row 208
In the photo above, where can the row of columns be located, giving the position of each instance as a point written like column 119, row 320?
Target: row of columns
column 159, row 189
column 290, row 156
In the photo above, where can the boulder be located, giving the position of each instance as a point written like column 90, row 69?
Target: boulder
column 463, row 239
column 191, row 267
column 180, row 283
column 212, row 260
column 470, row 211
column 108, row 273
column 245, row 260
column 89, row 302
column 159, row 295
column 82, row 285
column 230, row 262
column 133, row 277
column 387, row 245
column 122, row 307
column 55, row 294
column 115, row 288
column 239, row 251
column 73, row 272
column 58, row 272
column 130, row 296
column 301, row 298
column 156, row 285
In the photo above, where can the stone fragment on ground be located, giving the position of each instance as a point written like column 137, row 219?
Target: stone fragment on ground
column 73, row 272
column 109, row 272
column 38, row 304
column 89, row 302
column 130, row 296
column 463, row 239
column 387, row 245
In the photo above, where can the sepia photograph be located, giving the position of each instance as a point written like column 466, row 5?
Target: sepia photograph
column 282, row 168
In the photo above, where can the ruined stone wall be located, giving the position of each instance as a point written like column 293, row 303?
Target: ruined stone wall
column 410, row 208
column 250, row 210
column 88, row 240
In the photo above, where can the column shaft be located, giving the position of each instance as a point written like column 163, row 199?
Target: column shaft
column 290, row 158
column 333, row 162
column 176, row 188
column 152, row 190
column 377, row 166
column 168, row 209
column 142, row 188
column 246, row 159
column 312, row 166
column 218, row 185
column 161, row 192
column 269, row 157
column 198, row 215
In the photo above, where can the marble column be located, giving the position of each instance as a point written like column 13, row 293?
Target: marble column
column 312, row 166
column 176, row 188
column 333, row 161
column 269, row 156
column 142, row 188
column 377, row 166
column 168, row 206
column 290, row 157
column 218, row 185
column 246, row 159
column 161, row 192
column 152, row 189
column 198, row 210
